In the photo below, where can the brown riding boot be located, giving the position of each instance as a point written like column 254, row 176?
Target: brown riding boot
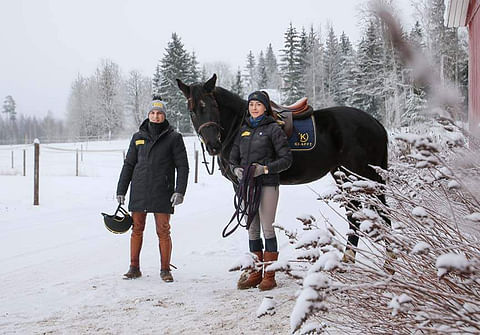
column 133, row 272
column 254, row 278
column 268, row 281
column 136, row 240
column 162, row 222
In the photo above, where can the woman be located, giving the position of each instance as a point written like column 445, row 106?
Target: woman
column 155, row 152
column 262, row 143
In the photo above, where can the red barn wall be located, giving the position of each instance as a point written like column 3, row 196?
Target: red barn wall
column 473, row 20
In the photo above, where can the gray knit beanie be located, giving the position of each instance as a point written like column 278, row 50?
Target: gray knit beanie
column 158, row 105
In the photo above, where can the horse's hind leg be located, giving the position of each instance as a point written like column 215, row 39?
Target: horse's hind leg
column 354, row 225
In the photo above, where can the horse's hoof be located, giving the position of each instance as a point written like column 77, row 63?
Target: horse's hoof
column 348, row 256
column 388, row 265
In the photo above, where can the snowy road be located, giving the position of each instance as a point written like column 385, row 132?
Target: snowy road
column 61, row 269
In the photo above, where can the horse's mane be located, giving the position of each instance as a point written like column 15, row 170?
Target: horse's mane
column 230, row 100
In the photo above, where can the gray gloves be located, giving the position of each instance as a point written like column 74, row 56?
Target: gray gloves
column 238, row 172
column 259, row 170
column 176, row 199
column 121, row 199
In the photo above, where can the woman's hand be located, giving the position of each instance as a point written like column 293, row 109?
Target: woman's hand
column 238, row 172
column 259, row 169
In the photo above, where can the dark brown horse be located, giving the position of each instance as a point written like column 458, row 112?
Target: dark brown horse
column 345, row 137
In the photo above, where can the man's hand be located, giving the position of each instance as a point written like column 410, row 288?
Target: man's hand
column 259, row 170
column 121, row 199
column 238, row 172
column 176, row 199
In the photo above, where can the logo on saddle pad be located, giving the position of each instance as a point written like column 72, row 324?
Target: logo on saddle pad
column 303, row 136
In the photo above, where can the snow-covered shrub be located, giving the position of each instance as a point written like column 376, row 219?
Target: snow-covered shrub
column 433, row 247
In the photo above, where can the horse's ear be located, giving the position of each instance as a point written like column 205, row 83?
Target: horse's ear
column 210, row 84
column 184, row 88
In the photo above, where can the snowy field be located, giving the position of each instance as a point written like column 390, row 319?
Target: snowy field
column 61, row 270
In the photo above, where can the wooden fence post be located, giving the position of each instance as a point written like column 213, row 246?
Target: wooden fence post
column 24, row 162
column 12, row 161
column 196, row 166
column 36, row 174
column 76, row 163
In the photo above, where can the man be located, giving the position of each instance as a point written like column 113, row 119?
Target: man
column 155, row 152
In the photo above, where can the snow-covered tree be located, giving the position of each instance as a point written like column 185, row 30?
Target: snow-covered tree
column 331, row 62
column 346, row 73
column 175, row 64
column 110, row 97
column 9, row 107
column 156, row 80
column 367, row 93
column 250, row 75
column 274, row 79
column 138, row 91
column 314, row 71
column 261, row 72
column 237, row 86
column 290, row 66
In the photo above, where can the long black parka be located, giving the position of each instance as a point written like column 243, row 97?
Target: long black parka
column 265, row 144
column 150, row 166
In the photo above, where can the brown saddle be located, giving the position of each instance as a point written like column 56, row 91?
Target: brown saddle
column 286, row 114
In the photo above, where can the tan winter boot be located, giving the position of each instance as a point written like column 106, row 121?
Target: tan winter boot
column 254, row 278
column 268, row 281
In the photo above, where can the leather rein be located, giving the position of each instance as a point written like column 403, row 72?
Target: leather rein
column 230, row 135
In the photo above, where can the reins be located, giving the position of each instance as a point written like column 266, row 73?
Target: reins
column 246, row 201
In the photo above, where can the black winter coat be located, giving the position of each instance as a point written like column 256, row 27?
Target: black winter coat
column 266, row 144
column 150, row 167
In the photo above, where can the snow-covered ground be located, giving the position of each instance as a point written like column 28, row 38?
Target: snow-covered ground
column 61, row 270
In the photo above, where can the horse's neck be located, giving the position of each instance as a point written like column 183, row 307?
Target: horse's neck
column 232, row 109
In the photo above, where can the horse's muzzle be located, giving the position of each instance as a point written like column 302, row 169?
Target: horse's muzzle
column 214, row 149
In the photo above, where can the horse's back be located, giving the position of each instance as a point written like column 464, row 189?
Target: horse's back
column 359, row 138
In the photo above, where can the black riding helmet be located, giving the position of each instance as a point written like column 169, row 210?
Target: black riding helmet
column 118, row 224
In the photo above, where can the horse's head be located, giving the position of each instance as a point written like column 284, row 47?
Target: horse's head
column 204, row 113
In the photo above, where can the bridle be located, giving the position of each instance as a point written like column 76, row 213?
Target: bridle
column 204, row 125
column 230, row 136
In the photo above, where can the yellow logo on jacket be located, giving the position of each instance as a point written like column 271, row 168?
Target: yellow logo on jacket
column 138, row 142
column 246, row 133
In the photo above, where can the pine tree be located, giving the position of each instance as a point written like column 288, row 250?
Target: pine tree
column 237, row 86
column 175, row 63
column 304, row 61
column 250, row 76
column 290, row 66
column 274, row 80
column 314, row 72
column 9, row 107
column 367, row 93
column 156, row 80
column 193, row 73
column 332, row 67
column 346, row 75
column 261, row 72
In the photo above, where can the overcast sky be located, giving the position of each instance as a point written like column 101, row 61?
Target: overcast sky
column 46, row 43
